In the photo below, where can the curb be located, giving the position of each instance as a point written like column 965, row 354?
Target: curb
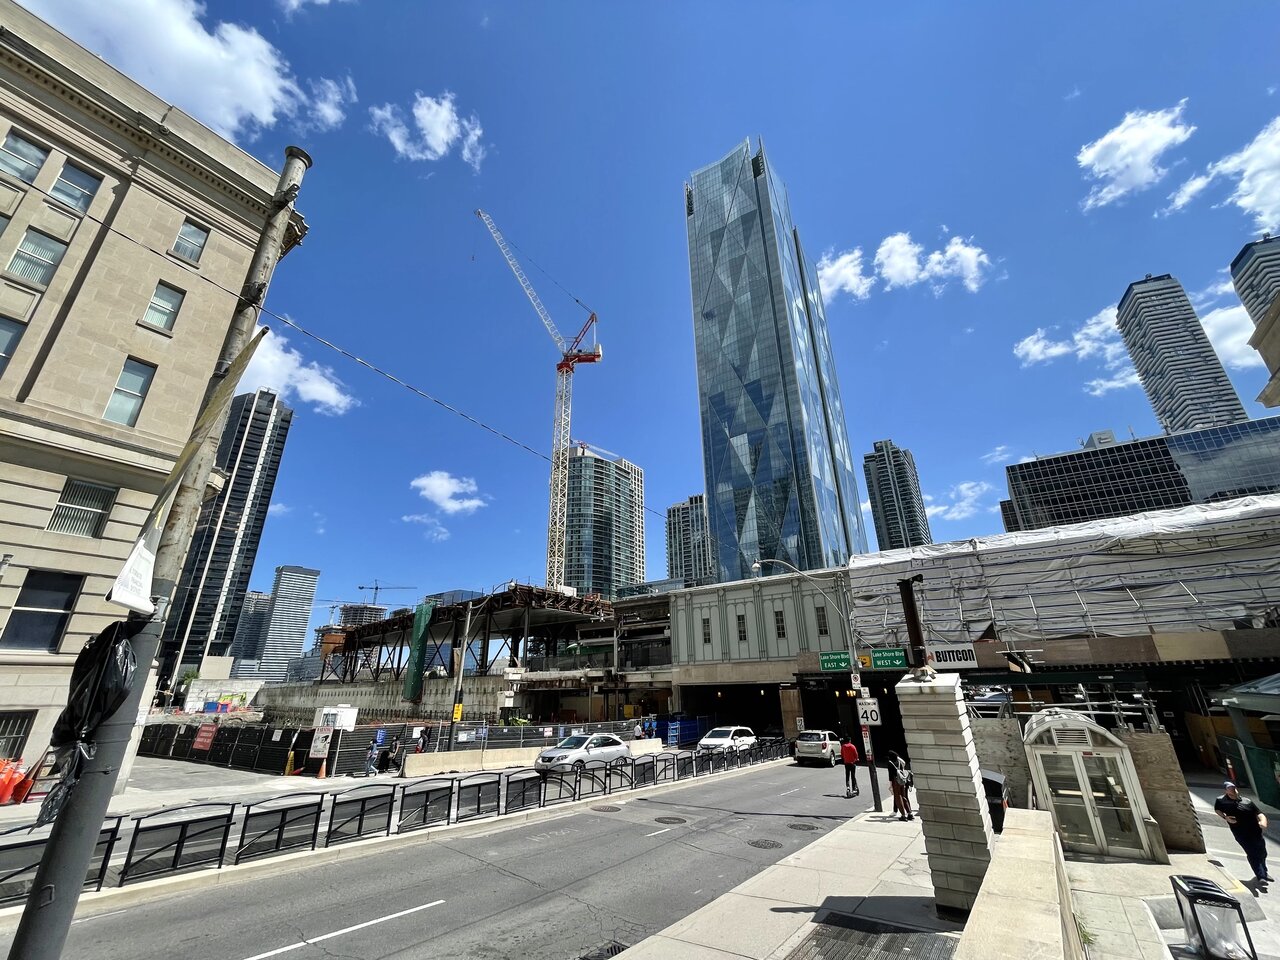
column 92, row 902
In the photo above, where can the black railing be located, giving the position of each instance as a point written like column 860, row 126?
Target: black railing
column 168, row 845
column 191, row 837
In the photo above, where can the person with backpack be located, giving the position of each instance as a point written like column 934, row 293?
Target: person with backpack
column 849, row 754
column 901, row 781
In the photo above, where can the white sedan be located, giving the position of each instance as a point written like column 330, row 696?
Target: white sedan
column 575, row 751
column 727, row 738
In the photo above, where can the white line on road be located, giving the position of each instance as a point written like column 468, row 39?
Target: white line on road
column 338, row 933
column 113, row 913
column 785, row 792
column 656, row 832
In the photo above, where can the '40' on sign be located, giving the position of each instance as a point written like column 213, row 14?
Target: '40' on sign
column 869, row 712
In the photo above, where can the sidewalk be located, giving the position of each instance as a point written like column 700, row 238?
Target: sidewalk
column 862, row 890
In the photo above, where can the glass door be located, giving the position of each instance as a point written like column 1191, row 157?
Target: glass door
column 1070, row 803
column 1117, row 825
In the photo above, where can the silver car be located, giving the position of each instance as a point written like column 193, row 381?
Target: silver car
column 575, row 751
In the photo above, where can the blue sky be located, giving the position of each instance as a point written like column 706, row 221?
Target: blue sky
column 981, row 180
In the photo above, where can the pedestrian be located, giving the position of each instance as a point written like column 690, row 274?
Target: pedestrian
column 423, row 739
column 393, row 755
column 1247, row 823
column 849, row 754
column 371, row 759
column 900, row 780
column 638, row 732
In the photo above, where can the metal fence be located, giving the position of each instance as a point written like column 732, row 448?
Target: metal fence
column 200, row 836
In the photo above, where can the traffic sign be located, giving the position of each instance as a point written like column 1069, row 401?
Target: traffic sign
column 869, row 712
column 890, row 658
column 457, row 712
column 855, row 680
column 834, row 661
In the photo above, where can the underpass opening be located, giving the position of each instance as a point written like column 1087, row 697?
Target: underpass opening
column 754, row 705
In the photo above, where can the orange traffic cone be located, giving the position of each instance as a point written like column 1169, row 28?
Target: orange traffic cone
column 323, row 769
column 8, row 780
column 23, row 787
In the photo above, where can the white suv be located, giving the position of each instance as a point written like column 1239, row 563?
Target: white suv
column 727, row 738
column 818, row 746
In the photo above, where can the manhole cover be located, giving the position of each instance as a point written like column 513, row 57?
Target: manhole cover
column 605, row 951
column 802, row 826
column 606, row 808
column 670, row 820
column 764, row 844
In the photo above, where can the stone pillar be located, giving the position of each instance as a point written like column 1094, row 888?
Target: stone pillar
column 949, row 797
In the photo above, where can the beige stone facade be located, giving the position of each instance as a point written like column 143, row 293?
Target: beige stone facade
column 93, row 163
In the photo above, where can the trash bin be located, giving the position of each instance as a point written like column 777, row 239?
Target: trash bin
column 1212, row 920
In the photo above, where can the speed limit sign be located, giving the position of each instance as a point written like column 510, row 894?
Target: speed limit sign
column 869, row 712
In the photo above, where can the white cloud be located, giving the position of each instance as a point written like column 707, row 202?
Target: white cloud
column 1027, row 459
column 1075, row 92
column 283, row 369
column 320, row 520
column 996, row 455
column 1256, row 170
column 1126, row 158
column 278, row 509
column 329, row 99
column 1186, row 193
column 865, row 506
column 901, row 262
column 1097, row 339
column 226, row 75
column 433, row 530
column 1229, row 330
column 962, row 501
column 1124, row 378
column 842, row 273
column 437, row 129
column 290, row 7
column 1038, row 348
column 443, row 489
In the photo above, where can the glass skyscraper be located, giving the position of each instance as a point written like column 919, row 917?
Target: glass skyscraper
column 893, row 488
column 780, row 480
column 690, row 556
column 604, row 524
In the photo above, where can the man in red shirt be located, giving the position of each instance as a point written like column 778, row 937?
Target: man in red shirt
column 849, row 754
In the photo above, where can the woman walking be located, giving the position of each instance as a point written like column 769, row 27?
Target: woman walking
column 900, row 780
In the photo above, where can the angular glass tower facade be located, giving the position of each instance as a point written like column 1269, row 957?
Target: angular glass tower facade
column 780, row 476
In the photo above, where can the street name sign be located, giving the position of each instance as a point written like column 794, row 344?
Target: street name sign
column 889, row 658
column 869, row 712
column 834, row 661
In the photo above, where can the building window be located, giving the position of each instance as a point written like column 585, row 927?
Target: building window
column 779, row 625
column 190, row 242
column 15, row 726
column 821, row 614
column 742, row 628
column 706, row 629
column 40, row 616
column 164, row 306
column 37, row 257
column 21, row 158
column 4, row 222
column 131, row 389
column 10, row 334
column 75, row 187
column 82, row 509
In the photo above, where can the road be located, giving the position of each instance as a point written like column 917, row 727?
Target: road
column 551, row 890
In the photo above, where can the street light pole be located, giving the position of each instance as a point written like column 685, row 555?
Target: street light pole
column 851, row 647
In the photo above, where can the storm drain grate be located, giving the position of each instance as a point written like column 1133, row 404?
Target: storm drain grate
column 670, row 820
column 605, row 951
column 606, row 808
column 839, row 937
column 764, row 844
column 802, row 826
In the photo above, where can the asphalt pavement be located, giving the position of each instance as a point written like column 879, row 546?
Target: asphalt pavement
column 558, row 889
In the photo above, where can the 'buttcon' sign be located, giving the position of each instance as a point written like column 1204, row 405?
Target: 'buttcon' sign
column 952, row 656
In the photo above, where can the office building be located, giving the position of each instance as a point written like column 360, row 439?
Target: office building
column 126, row 231
column 360, row 614
column 1255, row 272
column 897, row 507
column 604, row 527
column 1182, row 375
column 251, row 630
column 1108, row 479
column 210, row 596
column 287, row 621
column 780, row 480
column 690, row 557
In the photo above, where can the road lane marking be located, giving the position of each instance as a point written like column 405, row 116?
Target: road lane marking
column 113, row 913
column 344, row 930
column 785, row 792
column 656, row 832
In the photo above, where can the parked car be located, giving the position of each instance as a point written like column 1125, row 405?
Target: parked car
column 818, row 746
column 997, row 790
column 575, row 751
column 727, row 738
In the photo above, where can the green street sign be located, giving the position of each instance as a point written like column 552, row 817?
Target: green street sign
column 894, row 658
column 834, row 661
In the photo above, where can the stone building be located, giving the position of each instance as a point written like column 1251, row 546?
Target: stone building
column 123, row 225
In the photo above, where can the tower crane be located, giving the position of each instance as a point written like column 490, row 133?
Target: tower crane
column 571, row 354
column 378, row 588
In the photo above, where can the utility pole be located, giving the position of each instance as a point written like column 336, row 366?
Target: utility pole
column 46, row 919
column 911, row 613
column 868, row 755
column 459, row 664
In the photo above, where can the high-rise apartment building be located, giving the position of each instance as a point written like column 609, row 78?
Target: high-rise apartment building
column 291, row 597
column 126, row 230
column 1255, row 272
column 1109, row 479
column 1179, row 370
column 210, row 595
column 360, row 614
column 604, row 527
column 897, row 507
column 251, row 629
column 690, row 556
column 780, row 480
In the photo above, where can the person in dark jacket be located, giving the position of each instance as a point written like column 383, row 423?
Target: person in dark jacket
column 1247, row 824
column 900, row 781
